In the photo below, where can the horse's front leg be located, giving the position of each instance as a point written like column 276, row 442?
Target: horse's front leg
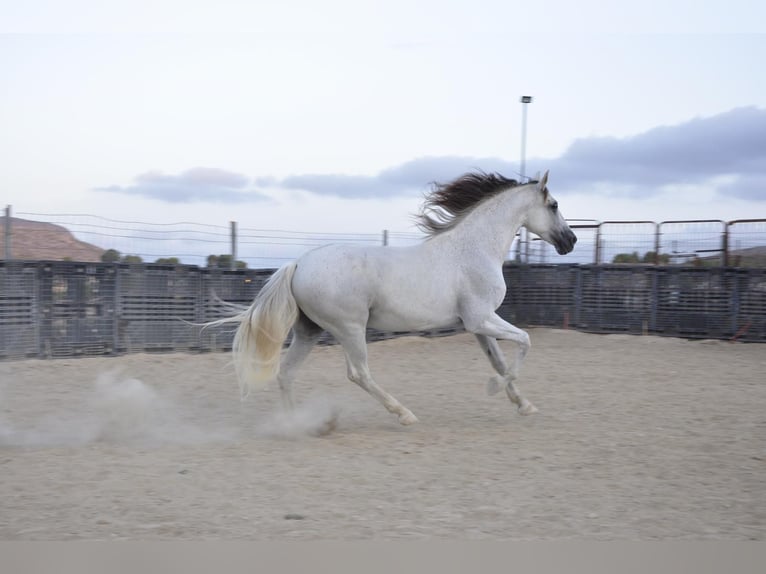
column 487, row 332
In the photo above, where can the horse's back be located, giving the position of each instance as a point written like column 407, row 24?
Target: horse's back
column 390, row 288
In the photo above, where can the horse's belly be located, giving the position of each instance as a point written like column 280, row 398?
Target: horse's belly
column 412, row 319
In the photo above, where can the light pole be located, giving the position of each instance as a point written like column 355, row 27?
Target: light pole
column 525, row 100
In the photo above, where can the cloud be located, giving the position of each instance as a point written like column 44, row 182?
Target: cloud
column 407, row 179
column 726, row 153
column 199, row 184
column 749, row 187
column 701, row 152
column 731, row 145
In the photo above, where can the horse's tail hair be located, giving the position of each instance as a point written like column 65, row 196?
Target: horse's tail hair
column 262, row 331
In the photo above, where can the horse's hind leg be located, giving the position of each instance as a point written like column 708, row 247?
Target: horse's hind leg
column 306, row 333
column 506, row 375
column 355, row 348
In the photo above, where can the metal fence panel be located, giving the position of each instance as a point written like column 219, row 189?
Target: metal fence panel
column 156, row 306
column 77, row 304
column 692, row 242
column 219, row 286
column 19, row 310
column 750, row 319
column 625, row 239
column 693, row 302
column 746, row 244
column 63, row 309
column 539, row 294
column 614, row 298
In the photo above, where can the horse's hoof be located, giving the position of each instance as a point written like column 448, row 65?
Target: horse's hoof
column 407, row 418
column 527, row 408
column 327, row 426
column 494, row 385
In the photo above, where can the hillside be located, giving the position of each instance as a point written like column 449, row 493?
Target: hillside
column 750, row 257
column 35, row 240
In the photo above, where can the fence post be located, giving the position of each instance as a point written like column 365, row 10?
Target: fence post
column 576, row 317
column 725, row 244
column 525, row 231
column 7, row 228
column 657, row 234
column 45, row 319
column 597, row 254
column 385, row 238
column 233, row 262
column 738, row 277
column 654, row 300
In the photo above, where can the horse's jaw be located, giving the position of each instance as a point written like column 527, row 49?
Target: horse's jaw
column 564, row 241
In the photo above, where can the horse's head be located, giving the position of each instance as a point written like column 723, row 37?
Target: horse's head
column 545, row 219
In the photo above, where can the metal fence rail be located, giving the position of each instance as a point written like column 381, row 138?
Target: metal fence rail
column 63, row 309
column 687, row 242
column 739, row 243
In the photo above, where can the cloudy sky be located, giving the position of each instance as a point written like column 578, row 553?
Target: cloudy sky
column 336, row 115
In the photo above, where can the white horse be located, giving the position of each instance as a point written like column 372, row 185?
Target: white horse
column 454, row 277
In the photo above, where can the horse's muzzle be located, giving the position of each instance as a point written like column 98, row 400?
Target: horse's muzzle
column 564, row 241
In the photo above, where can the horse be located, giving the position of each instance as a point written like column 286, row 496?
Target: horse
column 452, row 278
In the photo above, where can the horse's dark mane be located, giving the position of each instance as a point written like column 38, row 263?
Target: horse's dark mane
column 447, row 204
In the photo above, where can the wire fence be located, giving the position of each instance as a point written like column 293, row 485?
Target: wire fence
column 739, row 243
column 192, row 243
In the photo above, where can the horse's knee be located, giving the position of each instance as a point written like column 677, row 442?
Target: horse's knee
column 355, row 377
column 525, row 343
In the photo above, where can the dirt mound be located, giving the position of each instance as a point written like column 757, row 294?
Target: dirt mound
column 36, row 240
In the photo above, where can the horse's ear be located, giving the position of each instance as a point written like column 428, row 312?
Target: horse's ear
column 542, row 182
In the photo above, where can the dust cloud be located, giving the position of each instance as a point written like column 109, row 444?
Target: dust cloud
column 316, row 416
column 120, row 409
column 115, row 409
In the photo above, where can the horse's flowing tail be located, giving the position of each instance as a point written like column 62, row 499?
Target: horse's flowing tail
column 262, row 331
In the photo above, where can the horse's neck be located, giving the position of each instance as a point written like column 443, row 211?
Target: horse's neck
column 492, row 226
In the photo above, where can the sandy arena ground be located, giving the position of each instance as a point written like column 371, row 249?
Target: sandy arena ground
column 637, row 438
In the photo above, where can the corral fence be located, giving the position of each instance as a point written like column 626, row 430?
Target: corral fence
column 65, row 309
column 689, row 302
column 694, row 243
column 739, row 243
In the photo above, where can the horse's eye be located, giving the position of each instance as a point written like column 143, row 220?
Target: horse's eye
column 555, row 205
